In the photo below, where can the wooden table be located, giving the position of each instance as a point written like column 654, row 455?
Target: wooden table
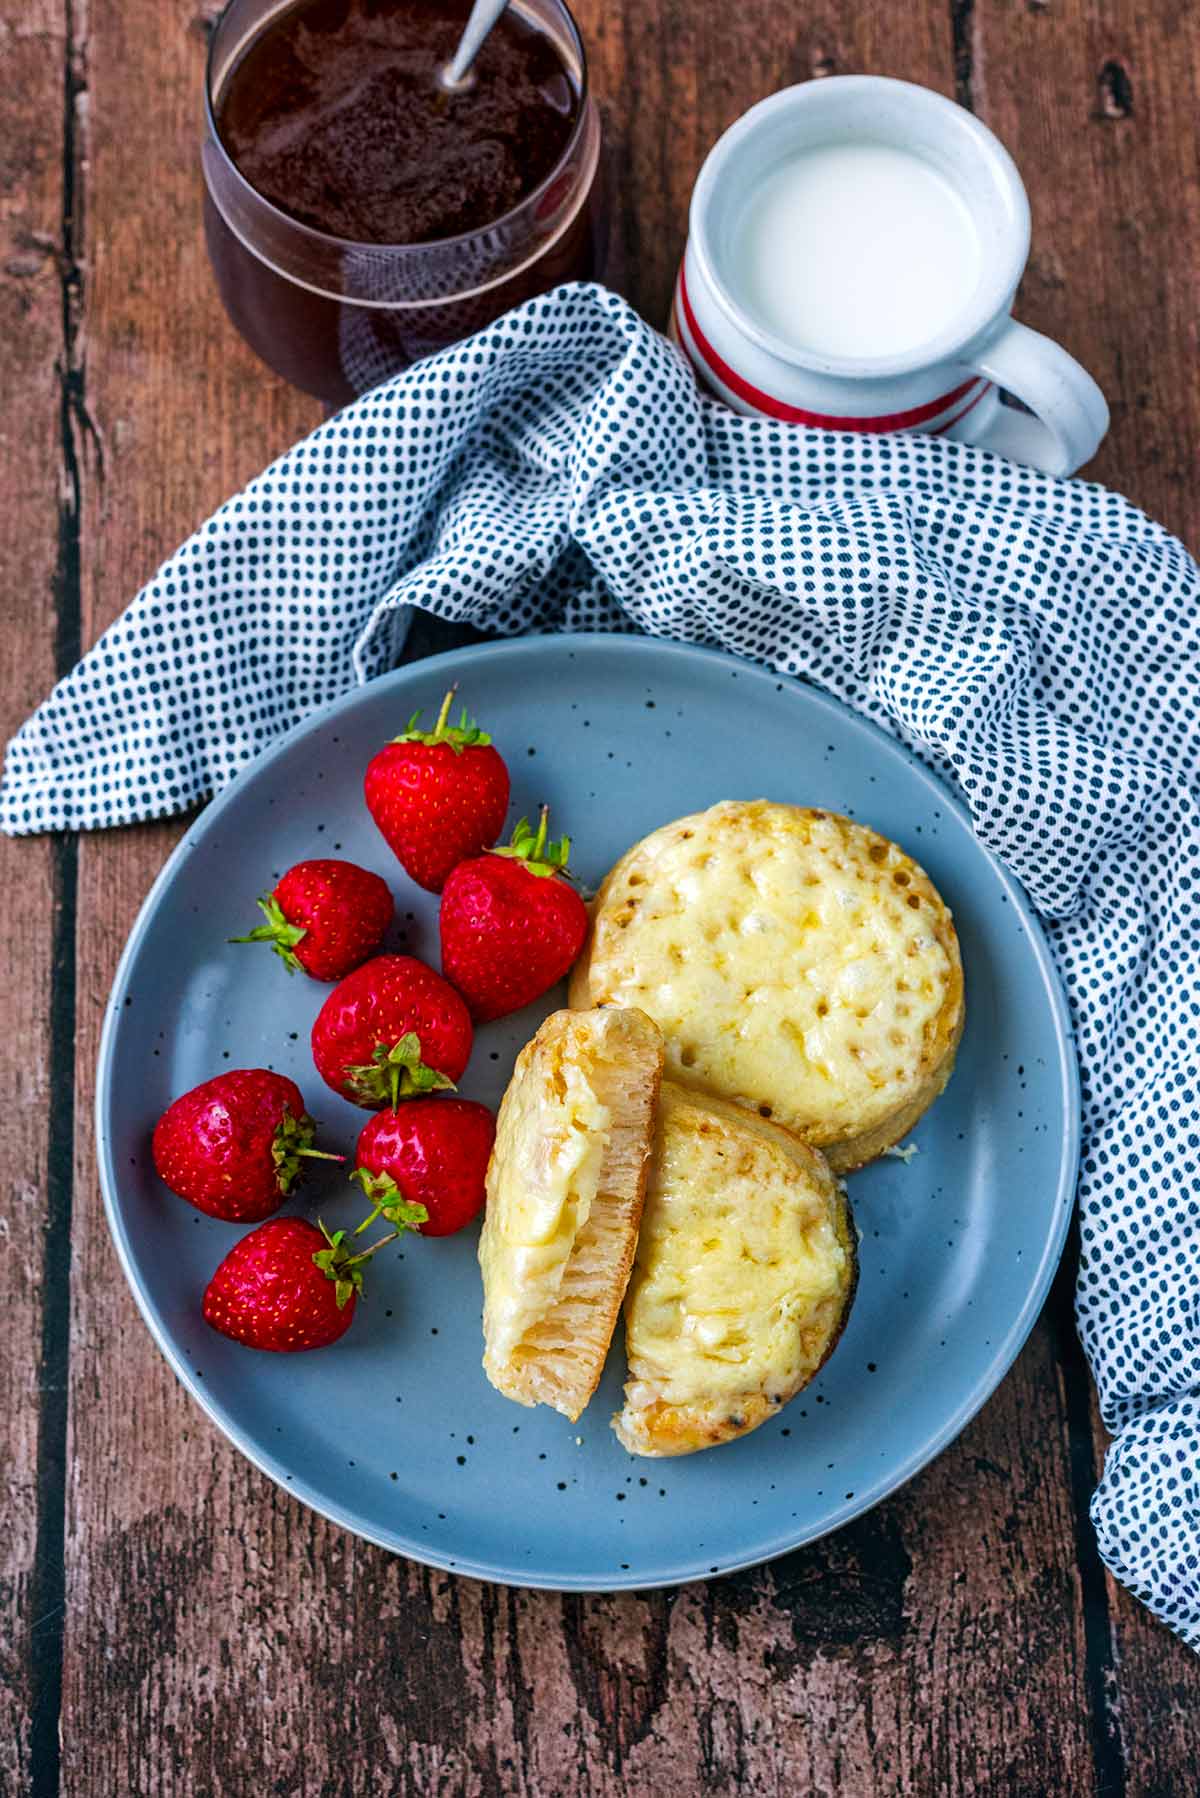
column 176, row 1625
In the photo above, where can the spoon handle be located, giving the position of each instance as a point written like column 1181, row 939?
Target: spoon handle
column 484, row 14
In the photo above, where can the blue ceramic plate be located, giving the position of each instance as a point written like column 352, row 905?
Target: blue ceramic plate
column 395, row 1433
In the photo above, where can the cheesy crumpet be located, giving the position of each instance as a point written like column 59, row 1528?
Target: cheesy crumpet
column 797, row 963
column 744, row 1274
column 565, row 1188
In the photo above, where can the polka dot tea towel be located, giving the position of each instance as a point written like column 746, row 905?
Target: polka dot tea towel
column 1037, row 640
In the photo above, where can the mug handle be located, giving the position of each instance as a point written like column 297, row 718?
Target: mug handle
column 1070, row 415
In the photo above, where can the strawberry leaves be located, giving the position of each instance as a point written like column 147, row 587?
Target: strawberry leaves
column 534, row 850
column 292, row 1144
column 388, row 1202
column 466, row 734
column 344, row 1269
column 336, row 1264
column 281, row 935
column 394, row 1074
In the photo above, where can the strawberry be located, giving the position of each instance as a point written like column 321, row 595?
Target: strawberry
column 233, row 1145
column 290, row 1285
column 391, row 1028
column 510, row 924
column 324, row 916
column 433, row 1151
column 438, row 796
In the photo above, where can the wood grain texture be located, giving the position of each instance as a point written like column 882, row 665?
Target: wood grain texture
column 220, row 1639
column 39, row 525
column 1098, row 104
column 1154, row 1690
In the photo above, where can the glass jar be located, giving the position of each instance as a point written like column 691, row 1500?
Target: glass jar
column 334, row 317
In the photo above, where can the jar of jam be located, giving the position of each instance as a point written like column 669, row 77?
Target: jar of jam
column 358, row 215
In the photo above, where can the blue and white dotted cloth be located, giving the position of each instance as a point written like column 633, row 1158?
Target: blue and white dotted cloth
column 1037, row 640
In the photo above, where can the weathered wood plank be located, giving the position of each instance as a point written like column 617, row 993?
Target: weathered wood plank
column 930, row 1647
column 186, row 415
column 38, row 500
column 1097, row 103
column 1155, row 1689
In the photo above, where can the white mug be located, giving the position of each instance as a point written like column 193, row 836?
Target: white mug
column 948, row 385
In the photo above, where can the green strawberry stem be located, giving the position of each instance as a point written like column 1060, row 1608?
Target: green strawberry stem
column 443, row 717
column 281, row 935
column 345, row 1270
column 394, row 1074
column 534, row 850
column 365, row 1254
column 466, row 734
column 293, row 1141
column 388, row 1202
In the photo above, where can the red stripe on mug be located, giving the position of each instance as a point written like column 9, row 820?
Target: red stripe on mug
column 794, row 415
column 962, row 412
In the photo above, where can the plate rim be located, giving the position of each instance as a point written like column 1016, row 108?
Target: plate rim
column 1000, row 1362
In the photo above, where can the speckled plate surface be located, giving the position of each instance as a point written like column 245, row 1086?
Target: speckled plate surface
column 394, row 1432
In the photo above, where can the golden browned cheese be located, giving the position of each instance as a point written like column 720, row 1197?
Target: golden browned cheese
column 744, row 1273
column 797, row 962
column 565, row 1188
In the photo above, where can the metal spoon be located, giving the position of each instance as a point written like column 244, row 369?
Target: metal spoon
column 457, row 73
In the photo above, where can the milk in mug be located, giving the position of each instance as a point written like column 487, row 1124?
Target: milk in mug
column 855, row 249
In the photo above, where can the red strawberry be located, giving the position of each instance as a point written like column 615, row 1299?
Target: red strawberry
column 391, row 1028
column 325, row 917
column 288, row 1285
column 233, row 1146
column 438, row 796
column 510, row 924
column 433, row 1151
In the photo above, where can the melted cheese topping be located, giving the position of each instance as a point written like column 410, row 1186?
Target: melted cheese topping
column 791, row 958
column 741, row 1275
column 542, row 1183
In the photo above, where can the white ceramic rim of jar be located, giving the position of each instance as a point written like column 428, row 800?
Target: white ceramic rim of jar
column 1005, row 251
